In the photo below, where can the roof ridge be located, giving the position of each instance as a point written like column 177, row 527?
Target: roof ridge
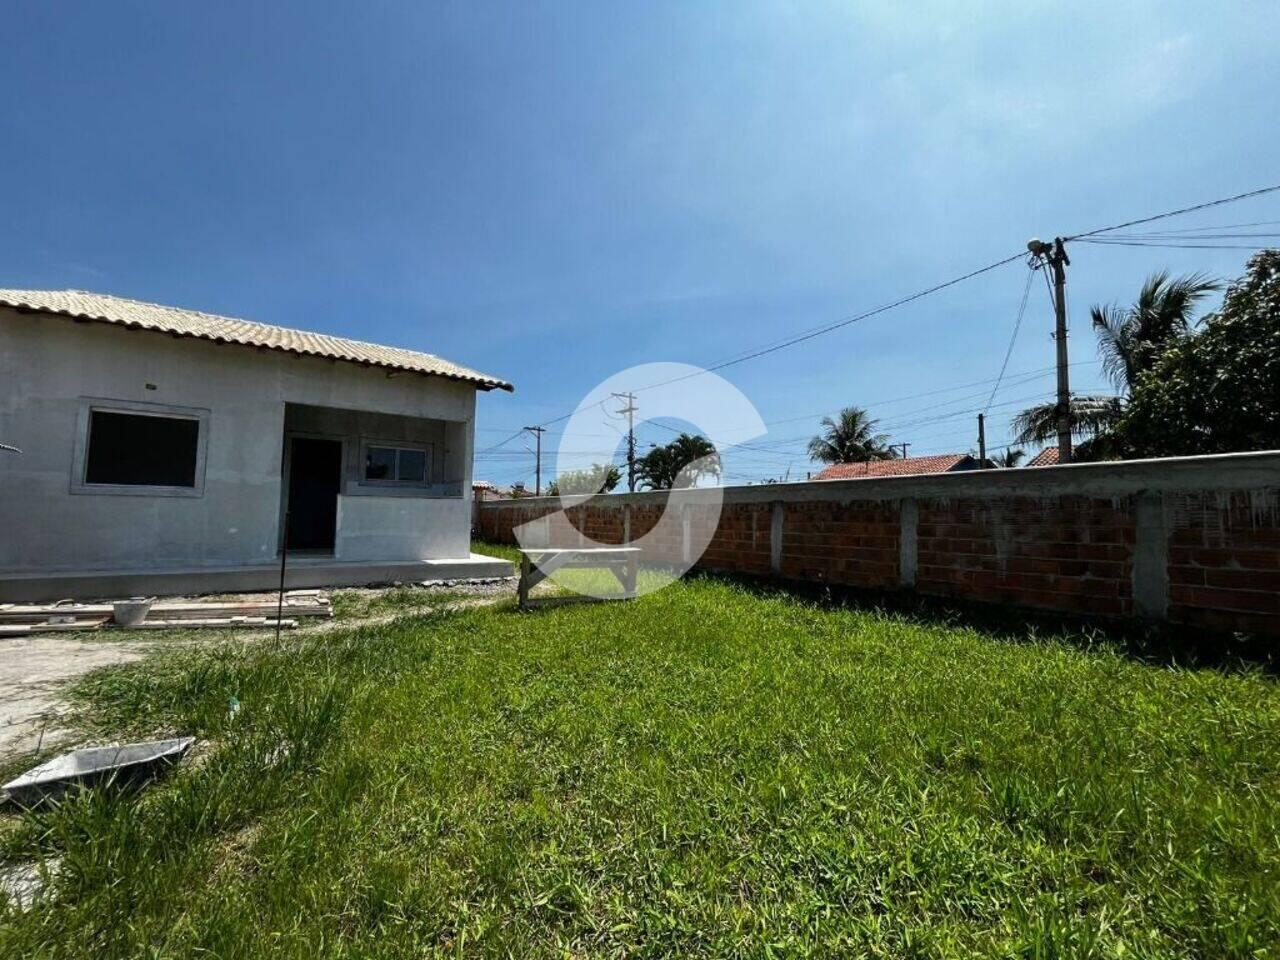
column 185, row 321
column 224, row 316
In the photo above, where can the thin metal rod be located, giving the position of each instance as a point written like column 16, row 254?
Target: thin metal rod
column 284, row 559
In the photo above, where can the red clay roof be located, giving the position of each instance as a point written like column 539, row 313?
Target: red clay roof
column 908, row 466
column 1048, row 457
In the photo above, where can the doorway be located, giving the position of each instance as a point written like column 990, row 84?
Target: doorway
column 315, row 478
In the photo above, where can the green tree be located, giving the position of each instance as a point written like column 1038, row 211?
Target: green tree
column 1130, row 340
column 679, row 463
column 1089, row 417
column 850, row 438
column 1009, row 459
column 598, row 478
column 1217, row 390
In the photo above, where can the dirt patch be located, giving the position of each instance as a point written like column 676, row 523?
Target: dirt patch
column 33, row 670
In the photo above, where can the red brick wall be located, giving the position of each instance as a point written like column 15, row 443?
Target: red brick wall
column 1012, row 537
column 740, row 542
column 1071, row 553
column 847, row 543
column 1224, row 561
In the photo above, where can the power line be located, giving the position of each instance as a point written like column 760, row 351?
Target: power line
column 1024, row 376
column 949, row 283
column 1017, row 325
column 1173, row 246
column 629, row 410
column 819, row 331
column 1225, row 226
column 1176, row 213
column 846, row 321
column 537, row 470
column 779, row 450
column 1184, row 236
column 502, row 443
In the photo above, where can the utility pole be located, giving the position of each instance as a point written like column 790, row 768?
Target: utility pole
column 1055, row 255
column 630, row 411
column 982, row 442
column 904, row 448
column 537, row 483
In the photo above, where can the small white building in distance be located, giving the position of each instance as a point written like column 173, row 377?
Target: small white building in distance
column 172, row 451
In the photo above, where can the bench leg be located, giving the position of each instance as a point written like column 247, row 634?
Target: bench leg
column 524, row 582
column 632, row 576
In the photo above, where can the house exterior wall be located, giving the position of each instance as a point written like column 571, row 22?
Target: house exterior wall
column 51, row 366
column 402, row 528
column 1190, row 540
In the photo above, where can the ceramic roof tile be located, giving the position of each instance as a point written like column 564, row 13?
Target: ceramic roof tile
column 1048, row 457
column 208, row 326
column 893, row 468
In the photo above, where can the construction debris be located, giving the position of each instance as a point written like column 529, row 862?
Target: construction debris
column 123, row 763
column 466, row 582
column 51, row 626
column 255, row 622
column 18, row 620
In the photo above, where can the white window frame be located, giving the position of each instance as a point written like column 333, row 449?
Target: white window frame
column 426, row 449
column 80, row 456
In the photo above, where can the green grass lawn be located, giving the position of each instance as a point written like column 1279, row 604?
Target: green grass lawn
column 706, row 771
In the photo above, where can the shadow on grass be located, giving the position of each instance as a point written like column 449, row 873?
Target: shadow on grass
column 1155, row 644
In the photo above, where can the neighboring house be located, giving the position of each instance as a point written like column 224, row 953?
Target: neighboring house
column 1048, row 457
column 168, row 450
column 902, row 467
column 485, row 490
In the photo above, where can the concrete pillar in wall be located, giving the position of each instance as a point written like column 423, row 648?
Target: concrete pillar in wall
column 777, row 512
column 626, row 523
column 685, row 522
column 1150, row 558
column 908, row 520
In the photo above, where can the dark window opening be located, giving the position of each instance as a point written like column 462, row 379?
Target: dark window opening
column 136, row 449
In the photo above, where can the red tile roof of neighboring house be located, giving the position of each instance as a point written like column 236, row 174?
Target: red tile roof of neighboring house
column 1048, row 457
column 942, row 463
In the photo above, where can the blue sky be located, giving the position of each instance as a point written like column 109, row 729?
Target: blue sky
column 554, row 192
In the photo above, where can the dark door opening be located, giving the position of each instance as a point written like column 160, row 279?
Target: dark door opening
column 315, row 477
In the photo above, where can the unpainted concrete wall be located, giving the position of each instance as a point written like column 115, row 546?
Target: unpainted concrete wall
column 402, row 528
column 50, row 366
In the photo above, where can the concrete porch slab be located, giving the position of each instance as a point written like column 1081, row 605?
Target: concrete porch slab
column 301, row 573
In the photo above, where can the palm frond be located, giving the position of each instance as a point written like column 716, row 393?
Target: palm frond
column 1132, row 338
column 1089, row 416
column 1113, row 330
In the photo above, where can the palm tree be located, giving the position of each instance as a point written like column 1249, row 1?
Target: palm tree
column 1010, row 458
column 1089, row 417
column 1130, row 340
column 850, row 438
column 678, row 463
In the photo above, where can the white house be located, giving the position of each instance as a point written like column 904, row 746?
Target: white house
column 167, row 450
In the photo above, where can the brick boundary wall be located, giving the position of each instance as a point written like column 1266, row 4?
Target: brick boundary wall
column 1187, row 540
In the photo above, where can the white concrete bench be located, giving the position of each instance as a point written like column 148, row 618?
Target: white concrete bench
column 538, row 563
